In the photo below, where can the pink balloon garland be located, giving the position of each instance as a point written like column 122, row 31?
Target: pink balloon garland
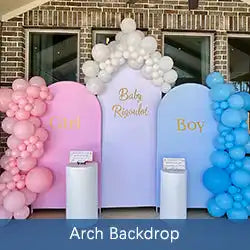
column 22, row 179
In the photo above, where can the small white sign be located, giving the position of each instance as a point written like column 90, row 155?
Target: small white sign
column 174, row 164
column 80, row 156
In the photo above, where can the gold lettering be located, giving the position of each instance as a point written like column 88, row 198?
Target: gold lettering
column 181, row 125
column 191, row 126
column 64, row 123
column 201, row 125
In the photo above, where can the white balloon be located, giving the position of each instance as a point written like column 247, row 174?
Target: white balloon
column 142, row 52
column 134, row 55
column 126, row 54
column 112, row 46
column 156, row 66
column 86, row 79
column 128, row 25
column 148, row 69
column 134, row 38
column 118, row 54
column 171, row 76
column 140, row 59
column 134, row 64
column 156, row 54
column 131, row 48
column 118, row 36
column 149, row 44
column 158, row 81
column 161, row 73
column 165, row 87
column 115, row 62
column 141, row 34
column 166, row 63
column 145, row 74
column 110, row 69
column 90, row 68
column 155, row 75
column 104, row 76
column 100, row 52
column 95, row 86
column 149, row 62
column 102, row 65
column 124, row 40
column 122, row 61
column 107, row 62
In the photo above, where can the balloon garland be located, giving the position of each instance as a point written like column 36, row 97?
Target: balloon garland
column 22, row 179
column 138, row 51
column 229, row 177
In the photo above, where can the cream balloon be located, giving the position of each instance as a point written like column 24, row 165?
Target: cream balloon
column 128, row 25
column 90, row 68
column 100, row 52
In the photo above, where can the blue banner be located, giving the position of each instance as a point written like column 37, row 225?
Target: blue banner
column 218, row 234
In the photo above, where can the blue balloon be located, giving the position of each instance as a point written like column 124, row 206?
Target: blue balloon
column 237, row 153
column 221, row 128
column 217, row 144
column 231, row 118
column 247, row 147
column 214, row 210
column 224, row 105
column 214, row 78
column 230, row 137
column 244, row 203
column 232, row 189
column 220, row 159
column 241, row 136
column 246, row 98
column 220, row 92
column 224, row 201
column 244, row 115
column 238, row 197
column 218, row 111
column 231, row 167
column 240, row 178
column 248, row 209
column 215, row 105
column 238, row 164
column 237, row 214
column 229, row 145
column 246, row 194
column 237, row 204
column 246, row 164
column 243, row 124
column 216, row 180
column 236, row 101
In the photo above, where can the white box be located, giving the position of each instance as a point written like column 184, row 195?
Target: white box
column 80, row 156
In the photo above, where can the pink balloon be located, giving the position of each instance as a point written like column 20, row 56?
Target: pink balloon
column 22, row 147
column 36, row 121
column 14, row 107
column 17, row 95
column 42, row 134
column 34, row 139
column 2, row 187
column 38, row 153
column 24, row 154
column 14, row 201
column 37, row 81
column 39, row 179
column 4, row 160
column 13, row 142
column 5, row 99
column 30, row 197
column 8, row 152
column 26, row 164
column 4, row 214
column 5, row 177
column 1, row 199
column 14, row 171
column 39, row 145
column 8, row 124
column 23, row 129
column 28, row 107
column 50, row 97
column 20, row 184
column 33, row 91
column 22, row 214
column 5, row 192
column 20, row 84
column 31, row 148
column 39, row 108
column 44, row 95
column 21, row 114
column 11, row 185
column 16, row 178
column 15, row 152
column 10, row 113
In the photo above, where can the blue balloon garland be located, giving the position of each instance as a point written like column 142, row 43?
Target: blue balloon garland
column 229, row 177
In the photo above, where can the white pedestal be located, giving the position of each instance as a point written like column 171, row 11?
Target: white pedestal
column 82, row 191
column 173, row 197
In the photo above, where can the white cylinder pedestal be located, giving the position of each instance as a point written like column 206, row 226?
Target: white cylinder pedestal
column 82, row 191
column 173, row 197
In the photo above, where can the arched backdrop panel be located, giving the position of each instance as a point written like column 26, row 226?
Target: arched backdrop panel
column 129, row 140
column 74, row 123
column 186, row 129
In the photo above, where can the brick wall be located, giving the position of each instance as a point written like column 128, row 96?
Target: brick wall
column 219, row 17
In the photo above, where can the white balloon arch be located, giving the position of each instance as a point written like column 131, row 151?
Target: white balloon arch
column 138, row 51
